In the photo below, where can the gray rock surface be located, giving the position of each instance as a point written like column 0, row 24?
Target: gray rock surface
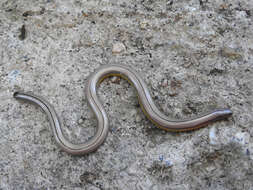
column 195, row 55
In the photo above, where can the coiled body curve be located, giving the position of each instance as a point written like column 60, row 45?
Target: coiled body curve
column 147, row 104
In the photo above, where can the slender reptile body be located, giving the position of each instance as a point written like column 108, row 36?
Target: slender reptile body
column 146, row 102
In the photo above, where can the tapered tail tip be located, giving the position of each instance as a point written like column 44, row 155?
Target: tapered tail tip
column 15, row 94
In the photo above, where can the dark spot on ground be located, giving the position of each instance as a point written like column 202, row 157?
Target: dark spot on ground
column 216, row 71
column 22, row 35
column 32, row 13
column 88, row 177
column 161, row 172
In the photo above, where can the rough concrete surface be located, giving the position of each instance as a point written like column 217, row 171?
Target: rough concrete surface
column 195, row 55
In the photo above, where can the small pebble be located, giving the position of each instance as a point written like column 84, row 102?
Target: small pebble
column 168, row 163
column 212, row 136
column 138, row 118
column 143, row 25
column 118, row 47
column 80, row 121
column 161, row 158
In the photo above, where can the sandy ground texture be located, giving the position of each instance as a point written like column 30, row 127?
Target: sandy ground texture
column 194, row 55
